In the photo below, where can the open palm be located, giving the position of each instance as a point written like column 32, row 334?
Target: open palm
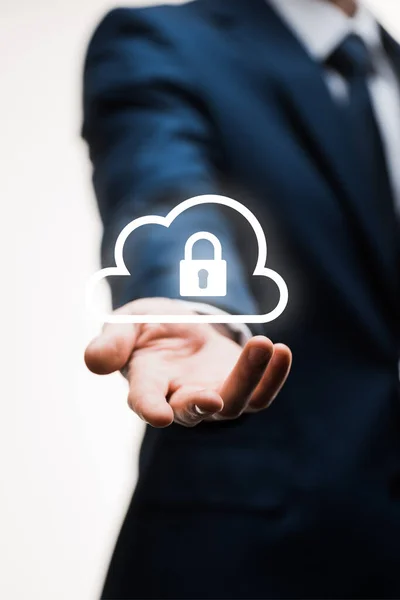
column 187, row 373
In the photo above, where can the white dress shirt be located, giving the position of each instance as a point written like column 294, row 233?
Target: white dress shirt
column 321, row 27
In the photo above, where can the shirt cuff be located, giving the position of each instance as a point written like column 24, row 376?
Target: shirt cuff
column 240, row 331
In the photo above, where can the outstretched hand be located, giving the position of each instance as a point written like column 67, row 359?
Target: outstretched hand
column 188, row 373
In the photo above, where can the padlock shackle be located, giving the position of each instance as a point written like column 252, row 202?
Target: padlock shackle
column 203, row 235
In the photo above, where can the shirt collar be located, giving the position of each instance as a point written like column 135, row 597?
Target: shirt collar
column 321, row 26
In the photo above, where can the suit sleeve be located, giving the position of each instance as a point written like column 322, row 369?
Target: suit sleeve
column 152, row 144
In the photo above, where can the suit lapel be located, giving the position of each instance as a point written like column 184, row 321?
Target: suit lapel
column 271, row 48
column 392, row 48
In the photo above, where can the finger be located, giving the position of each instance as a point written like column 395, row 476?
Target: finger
column 192, row 404
column 110, row 351
column 148, row 387
column 273, row 379
column 245, row 376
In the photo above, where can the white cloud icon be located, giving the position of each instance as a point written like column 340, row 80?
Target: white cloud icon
column 121, row 270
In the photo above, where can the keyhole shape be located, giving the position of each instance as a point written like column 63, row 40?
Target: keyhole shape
column 203, row 279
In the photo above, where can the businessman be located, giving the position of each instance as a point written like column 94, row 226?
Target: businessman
column 292, row 107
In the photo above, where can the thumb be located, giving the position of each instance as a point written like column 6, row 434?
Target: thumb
column 110, row 351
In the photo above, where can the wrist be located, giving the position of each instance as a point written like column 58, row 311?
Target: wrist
column 238, row 332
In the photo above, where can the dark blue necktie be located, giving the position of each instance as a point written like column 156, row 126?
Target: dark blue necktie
column 352, row 60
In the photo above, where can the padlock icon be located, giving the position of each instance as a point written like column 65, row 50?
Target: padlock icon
column 203, row 277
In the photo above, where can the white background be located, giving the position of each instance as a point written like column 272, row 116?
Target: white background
column 68, row 443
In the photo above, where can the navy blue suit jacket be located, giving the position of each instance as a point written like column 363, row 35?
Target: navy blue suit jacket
column 218, row 96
